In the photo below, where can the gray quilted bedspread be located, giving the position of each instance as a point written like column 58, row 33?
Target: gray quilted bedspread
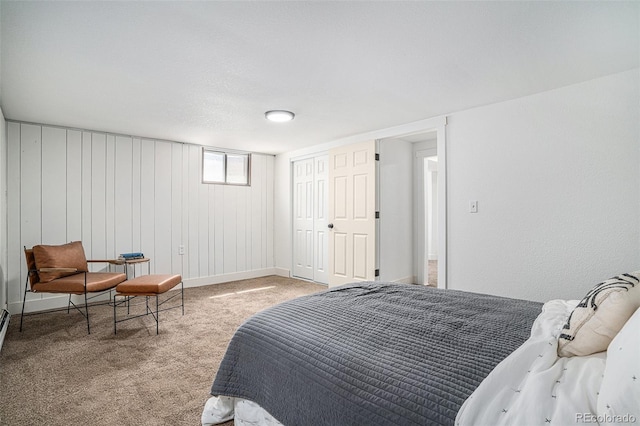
column 372, row 354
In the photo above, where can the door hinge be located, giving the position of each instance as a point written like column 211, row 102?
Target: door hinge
column 377, row 273
column 377, row 157
column 377, row 215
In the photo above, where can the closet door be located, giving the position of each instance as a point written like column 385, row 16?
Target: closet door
column 310, row 219
column 303, row 200
column 352, row 193
column 321, row 220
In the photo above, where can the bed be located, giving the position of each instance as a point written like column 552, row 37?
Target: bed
column 388, row 353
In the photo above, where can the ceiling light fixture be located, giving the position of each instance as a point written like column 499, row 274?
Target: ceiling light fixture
column 279, row 115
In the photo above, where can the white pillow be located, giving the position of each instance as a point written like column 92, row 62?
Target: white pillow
column 600, row 316
column 619, row 397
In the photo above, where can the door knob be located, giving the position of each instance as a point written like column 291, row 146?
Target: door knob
column 330, row 226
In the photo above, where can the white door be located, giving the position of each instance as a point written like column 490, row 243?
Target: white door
column 310, row 231
column 303, row 218
column 321, row 220
column 352, row 194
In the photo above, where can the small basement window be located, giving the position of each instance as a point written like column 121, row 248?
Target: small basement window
column 225, row 167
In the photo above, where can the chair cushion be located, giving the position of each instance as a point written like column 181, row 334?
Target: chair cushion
column 69, row 255
column 96, row 281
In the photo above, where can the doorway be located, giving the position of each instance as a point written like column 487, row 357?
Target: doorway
column 425, row 208
column 430, row 217
column 412, row 198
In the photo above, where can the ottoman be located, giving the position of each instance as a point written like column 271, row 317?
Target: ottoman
column 147, row 286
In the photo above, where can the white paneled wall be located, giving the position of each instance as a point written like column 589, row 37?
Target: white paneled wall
column 3, row 212
column 122, row 194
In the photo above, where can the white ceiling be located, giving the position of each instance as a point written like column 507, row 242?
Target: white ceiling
column 205, row 72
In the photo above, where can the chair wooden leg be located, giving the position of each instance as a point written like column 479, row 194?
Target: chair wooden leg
column 24, row 300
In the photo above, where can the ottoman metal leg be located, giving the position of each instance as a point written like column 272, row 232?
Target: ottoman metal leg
column 147, row 286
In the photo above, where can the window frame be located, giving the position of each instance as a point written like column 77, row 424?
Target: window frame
column 225, row 170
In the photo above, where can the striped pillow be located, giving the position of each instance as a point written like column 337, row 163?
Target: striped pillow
column 600, row 315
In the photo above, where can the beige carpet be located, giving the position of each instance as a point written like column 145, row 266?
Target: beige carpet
column 53, row 373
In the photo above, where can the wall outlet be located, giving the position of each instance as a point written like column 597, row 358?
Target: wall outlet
column 473, row 207
column 181, row 250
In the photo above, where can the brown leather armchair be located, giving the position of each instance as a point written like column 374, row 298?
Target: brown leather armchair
column 64, row 269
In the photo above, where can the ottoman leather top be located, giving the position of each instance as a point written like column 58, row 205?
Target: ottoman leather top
column 149, row 284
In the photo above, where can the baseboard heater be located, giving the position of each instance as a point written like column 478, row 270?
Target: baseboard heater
column 4, row 325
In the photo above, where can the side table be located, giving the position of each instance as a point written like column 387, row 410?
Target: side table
column 133, row 263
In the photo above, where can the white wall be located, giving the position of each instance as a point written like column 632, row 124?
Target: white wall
column 556, row 176
column 396, row 211
column 3, row 212
column 3, row 200
column 557, row 179
column 122, row 194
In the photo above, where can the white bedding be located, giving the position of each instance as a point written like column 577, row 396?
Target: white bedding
column 533, row 386
column 220, row 409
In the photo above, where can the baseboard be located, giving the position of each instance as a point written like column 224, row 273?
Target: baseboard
column 406, row 280
column 235, row 276
column 282, row 272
